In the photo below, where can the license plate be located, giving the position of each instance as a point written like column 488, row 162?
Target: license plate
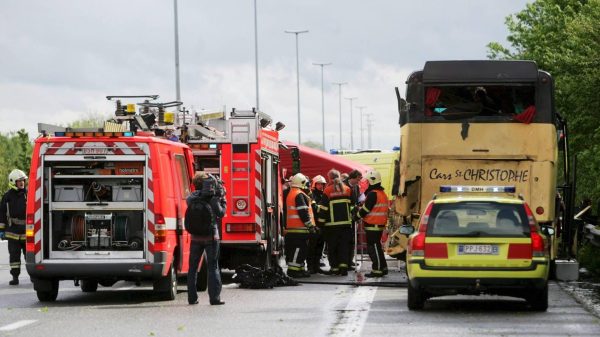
column 478, row 249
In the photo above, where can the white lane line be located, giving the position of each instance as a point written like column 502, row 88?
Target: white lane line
column 354, row 316
column 18, row 324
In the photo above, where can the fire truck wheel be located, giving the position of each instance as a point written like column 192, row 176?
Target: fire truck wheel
column 89, row 286
column 166, row 286
column 202, row 281
column 48, row 295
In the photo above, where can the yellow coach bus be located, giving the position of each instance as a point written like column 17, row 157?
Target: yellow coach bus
column 478, row 123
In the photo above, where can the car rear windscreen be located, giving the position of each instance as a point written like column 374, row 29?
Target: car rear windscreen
column 478, row 219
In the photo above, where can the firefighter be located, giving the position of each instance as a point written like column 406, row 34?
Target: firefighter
column 334, row 213
column 374, row 214
column 315, row 241
column 300, row 224
column 12, row 221
column 352, row 181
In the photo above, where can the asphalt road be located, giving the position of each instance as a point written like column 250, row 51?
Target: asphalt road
column 305, row 310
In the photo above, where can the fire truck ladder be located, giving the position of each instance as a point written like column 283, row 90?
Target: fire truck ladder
column 240, row 135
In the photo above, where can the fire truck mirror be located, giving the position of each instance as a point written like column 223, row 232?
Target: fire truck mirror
column 295, row 153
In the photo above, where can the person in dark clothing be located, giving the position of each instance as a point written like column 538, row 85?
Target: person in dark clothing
column 374, row 214
column 334, row 214
column 316, row 244
column 208, row 188
column 12, row 221
column 353, row 181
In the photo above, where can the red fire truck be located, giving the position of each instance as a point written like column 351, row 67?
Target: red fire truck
column 244, row 152
column 107, row 206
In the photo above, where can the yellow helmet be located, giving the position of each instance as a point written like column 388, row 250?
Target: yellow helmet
column 373, row 177
column 15, row 175
column 299, row 180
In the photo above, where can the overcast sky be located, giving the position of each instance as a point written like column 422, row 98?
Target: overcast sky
column 60, row 58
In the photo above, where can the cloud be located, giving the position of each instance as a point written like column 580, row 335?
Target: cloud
column 60, row 62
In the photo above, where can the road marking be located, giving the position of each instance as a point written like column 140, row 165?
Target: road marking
column 18, row 324
column 354, row 316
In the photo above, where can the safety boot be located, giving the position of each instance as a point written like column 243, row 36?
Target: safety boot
column 14, row 281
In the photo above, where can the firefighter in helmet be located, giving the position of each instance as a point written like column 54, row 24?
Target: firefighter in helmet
column 300, row 224
column 334, row 214
column 374, row 214
column 12, row 221
column 315, row 241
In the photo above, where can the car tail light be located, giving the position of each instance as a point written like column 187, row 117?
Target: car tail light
column 537, row 241
column 240, row 228
column 160, row 228
column 416, row 246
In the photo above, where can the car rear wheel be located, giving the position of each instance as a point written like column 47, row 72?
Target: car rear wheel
column 89, row 286
column 416, row 298
column 538, row 300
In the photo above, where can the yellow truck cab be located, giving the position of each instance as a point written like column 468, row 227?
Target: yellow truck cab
column 477, row 240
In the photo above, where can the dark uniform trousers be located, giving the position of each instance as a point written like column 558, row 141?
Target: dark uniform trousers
column 316, row 244
column 338, row 239
column 15, row 248
column 296, row 250
column 375, row 250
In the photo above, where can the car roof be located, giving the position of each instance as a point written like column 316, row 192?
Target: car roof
column 451, row 197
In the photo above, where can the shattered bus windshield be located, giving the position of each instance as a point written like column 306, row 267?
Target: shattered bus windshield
column 478, row 101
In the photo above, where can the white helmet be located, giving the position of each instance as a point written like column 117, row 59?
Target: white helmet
column 299, row 180
column 318, row 180
column 373, row 177
column 15, row 175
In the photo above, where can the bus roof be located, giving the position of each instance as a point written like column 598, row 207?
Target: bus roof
column 479, row 71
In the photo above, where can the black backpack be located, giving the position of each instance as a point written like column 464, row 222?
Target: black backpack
column 199, row 218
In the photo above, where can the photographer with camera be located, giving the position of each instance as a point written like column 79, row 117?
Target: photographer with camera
column 209, row 196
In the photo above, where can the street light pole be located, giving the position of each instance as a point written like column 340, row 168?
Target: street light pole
column 362, row 146
column 296, row 32
column 177, row 86
column 369, row 124
column 256, row 54
column 322, row 101
column 339, row 84
column 351, row 123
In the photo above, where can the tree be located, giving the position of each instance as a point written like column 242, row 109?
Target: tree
column 314, row 145
column 563, row 37
column 91, row 121
column 15, row 152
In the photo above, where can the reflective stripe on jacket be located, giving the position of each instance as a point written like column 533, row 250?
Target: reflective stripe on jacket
column 299, row 214
column 334, row 209
column 375, row 209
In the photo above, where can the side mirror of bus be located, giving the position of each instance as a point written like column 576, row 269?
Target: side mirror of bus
column 548, row 230
column 402, row 108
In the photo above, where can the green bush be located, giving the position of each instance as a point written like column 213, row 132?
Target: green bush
column 589, row 257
